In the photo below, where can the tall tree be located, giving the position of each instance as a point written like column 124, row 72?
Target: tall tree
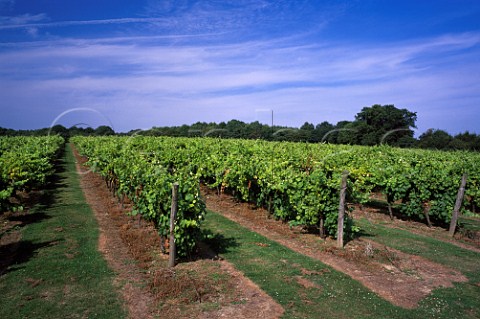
column 435, row 139
column 323, row 132
column 305, row 134
column 235, row 129
column 60, row 130
column 104, row 130
column 466, row 141
column 346, row 132
column 384, row 124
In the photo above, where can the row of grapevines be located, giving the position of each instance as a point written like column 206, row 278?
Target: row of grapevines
column 273, row 175
column 25, row 164
column 297, row 182
column 421, row 183
column 279, row 176
column 425, row 183
column 131, row 169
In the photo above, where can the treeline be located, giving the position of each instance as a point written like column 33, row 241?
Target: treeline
column 323, row 132
column 378, row 124
column 60, row 130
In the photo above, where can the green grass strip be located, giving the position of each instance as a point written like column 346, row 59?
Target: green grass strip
column 58, row 271
column 463, row 300
column 464, row 260
column 276, row 268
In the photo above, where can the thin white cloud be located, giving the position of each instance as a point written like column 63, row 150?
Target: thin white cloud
column 214, row 82
column 21, row 21
column 240, row 18
column 27, row 21
column 223, row 67
column 236, row 16
column 32, row 31
column 250, row 54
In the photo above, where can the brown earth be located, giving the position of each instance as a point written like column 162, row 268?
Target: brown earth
column 201, row 288
column 376, row 215
column 400, row 278
column 10, row 224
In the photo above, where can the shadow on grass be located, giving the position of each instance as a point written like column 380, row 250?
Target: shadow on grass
column 29, row 218
column 17, row 253
column 55, row 182
column 14, row 250
column 214, row 244
column 221, row 244
column 362, row 234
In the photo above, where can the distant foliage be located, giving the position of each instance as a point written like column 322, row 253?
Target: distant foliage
column 25, row 164
column 375, row 125
column 297, row 182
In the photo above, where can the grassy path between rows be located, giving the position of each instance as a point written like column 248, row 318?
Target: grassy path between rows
column 57, row 271
column 306, row 288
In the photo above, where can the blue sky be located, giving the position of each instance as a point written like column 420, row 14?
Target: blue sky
column 138, row 64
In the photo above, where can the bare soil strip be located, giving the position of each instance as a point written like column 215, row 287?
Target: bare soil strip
column 255, row 303
column 375, row 215
column 149, row 288
column 400, row 278
column 130, row 279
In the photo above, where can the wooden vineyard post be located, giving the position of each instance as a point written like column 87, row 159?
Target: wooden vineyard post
column 458, row 205
column 389, row 203
column 173, row 217
column 323, row 235
column 426, row 211
column 341, row 209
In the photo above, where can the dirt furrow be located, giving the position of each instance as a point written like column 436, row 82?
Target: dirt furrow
column 400, row 278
